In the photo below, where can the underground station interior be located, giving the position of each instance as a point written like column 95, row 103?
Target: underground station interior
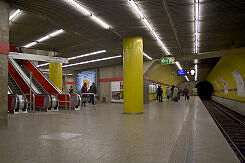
column 139, row 81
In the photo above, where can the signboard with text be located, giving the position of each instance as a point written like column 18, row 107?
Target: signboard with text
column 167, row 60
column 186, row 72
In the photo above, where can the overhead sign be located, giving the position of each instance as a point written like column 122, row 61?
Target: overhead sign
column 186, row 72
column 181, row 72
column 167, row 60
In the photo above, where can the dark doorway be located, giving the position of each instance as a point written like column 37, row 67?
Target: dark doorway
column 204, row 90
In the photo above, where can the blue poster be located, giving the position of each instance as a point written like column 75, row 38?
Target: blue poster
column 85, row 77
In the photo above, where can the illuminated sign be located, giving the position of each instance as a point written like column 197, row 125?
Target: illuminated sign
column 168, row 60
column 181, row 72
column 186, row 72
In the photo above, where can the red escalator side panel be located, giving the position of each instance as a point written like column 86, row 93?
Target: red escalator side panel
column 38, row 76
column 18, row 79
column 41, row 101
column 64, row 97
column 69, row 98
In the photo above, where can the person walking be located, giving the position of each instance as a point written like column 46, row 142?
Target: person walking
column 93, row 90
column 175, row 94
column 84, row 96
column 186, row 93
column 159, row 93
column 168, row 92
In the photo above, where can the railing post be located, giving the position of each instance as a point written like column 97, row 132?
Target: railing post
column 30, row 91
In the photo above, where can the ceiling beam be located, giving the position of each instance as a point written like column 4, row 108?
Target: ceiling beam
column 34, row 57
column 207, row 55
column 171, row 21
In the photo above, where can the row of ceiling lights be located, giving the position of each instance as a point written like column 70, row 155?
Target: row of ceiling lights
column 196, row 21
column 106, row 26
column 151, row 29
column 88, row 54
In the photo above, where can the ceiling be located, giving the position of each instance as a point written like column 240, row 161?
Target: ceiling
column 222, row 26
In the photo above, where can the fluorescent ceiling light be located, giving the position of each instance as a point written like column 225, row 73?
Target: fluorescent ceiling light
column 195, row 61
column 68, row 74
column 178, row 65
column 136, row 9
column 147, row 56
column 91, row 61
column 41, row 65
column 187, row 78
column 50, row 35
column 196, row 21
column 100, row 22
column 88, row 54
column 87, row 13
column 45, row 38
column 79, row 7
column 56, row 33
column 196, row 72
column 148, row 24
column 30, row 44
column 17, row 12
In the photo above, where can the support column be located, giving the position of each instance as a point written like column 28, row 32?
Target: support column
column 133, row 75
column 55, row 74
column 4, row 51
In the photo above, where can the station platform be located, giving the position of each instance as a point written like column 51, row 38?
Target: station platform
column 167, row 132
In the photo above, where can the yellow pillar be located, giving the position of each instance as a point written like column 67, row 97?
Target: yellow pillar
column 133, row 75
column 55, row 74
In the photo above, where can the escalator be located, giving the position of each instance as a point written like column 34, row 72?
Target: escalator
column 72, row 100
column 19, row 80
column 16, row 100
column 34, row 81
column 13, row 87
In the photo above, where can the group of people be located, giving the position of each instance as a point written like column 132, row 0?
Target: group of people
column 85, row 90
column 173, row 93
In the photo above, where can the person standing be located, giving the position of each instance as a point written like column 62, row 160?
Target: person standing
column 71, row 90
column 159, row 93
column 84, row 90
column 93, row 90
column 168, row 92
column 186, row 93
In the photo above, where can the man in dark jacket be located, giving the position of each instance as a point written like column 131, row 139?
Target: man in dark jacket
column 159, row 93
column 84, row 96
column 94, row 91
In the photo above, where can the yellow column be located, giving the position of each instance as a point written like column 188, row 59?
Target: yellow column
column 55, row 74
column 133, row 75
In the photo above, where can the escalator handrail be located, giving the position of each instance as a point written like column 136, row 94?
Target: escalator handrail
column 37, row 82
column 60, row 92
column 9, row 90
column 25, row 78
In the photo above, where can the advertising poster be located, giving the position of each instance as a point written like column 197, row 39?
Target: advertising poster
column 117, row 91
column 217, row 85
column 226, row 91
column 240, row 83
column 86, row 77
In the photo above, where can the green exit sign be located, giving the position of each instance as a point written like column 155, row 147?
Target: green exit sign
column 168, row 60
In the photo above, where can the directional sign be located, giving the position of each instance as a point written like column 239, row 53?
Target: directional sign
column 186, row 72
column 167, row 60
column 181, row 72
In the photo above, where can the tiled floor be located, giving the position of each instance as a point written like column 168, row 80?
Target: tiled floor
column 166, row 132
